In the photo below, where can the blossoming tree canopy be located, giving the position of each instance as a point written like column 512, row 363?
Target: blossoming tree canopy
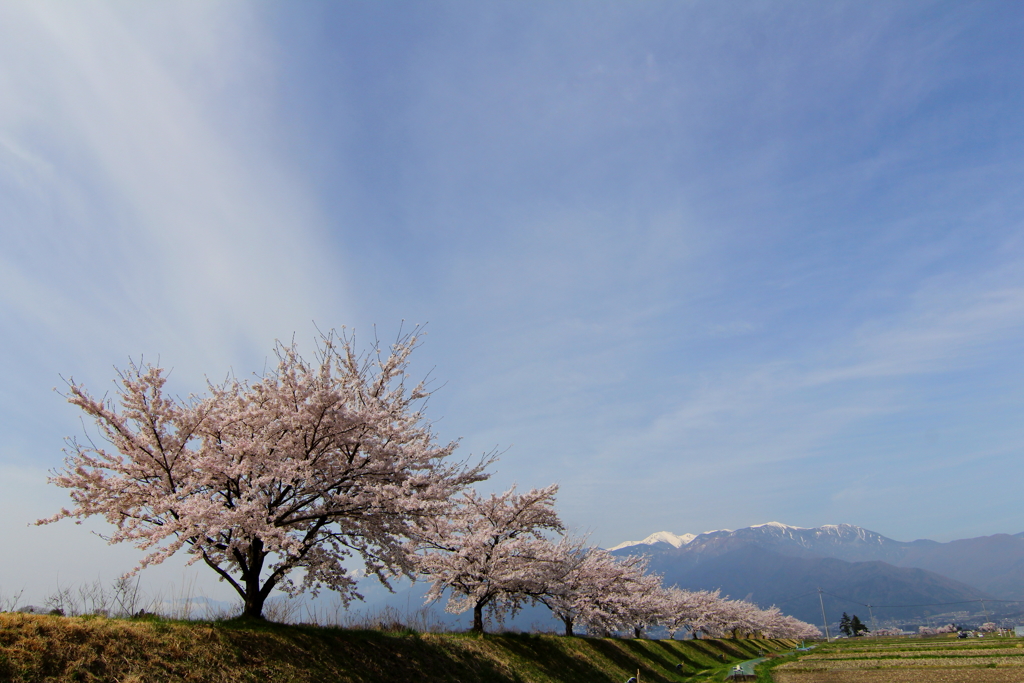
column 594, row 588
column 490, row 552
column 262, row 481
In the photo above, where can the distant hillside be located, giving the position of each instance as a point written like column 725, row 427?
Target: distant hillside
column 35, row 648
column 771, row 563
column 994, row 564
column 770, row 578
column 841, row 541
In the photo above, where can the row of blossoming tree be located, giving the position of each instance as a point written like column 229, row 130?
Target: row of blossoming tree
column 275, row 483
column 504, row 551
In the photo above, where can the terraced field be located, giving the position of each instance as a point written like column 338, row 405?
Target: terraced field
column 940, row 660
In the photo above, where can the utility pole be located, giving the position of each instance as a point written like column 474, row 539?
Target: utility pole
column 872, row 613
column 828, row 638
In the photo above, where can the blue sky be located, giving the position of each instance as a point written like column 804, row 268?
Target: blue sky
column 705, row 264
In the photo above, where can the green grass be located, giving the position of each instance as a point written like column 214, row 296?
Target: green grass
column 49, row 649
column 764, row 670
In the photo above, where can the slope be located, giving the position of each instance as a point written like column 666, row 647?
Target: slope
column 37, row 648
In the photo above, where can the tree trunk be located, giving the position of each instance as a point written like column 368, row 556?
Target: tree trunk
column 637, row 631
column 568, row 626
column 255, row 595
column 478, row 618
column 253, row 604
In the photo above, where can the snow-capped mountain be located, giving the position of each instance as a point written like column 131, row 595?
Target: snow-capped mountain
column 772, row 562
column 841, row 541
column 659, row 537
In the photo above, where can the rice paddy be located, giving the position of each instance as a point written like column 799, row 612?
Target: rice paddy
column 887, row 660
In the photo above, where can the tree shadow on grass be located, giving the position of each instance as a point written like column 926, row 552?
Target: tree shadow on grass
column 629, row 655
column 556, row 660
column 65, row 649
column 648, row 651
column 685, row 656
column 369, row 658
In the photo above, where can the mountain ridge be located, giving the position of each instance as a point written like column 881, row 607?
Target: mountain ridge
column 842, row 559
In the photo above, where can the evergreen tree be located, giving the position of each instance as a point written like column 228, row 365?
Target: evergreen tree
column 844, row 625
column 856, row 626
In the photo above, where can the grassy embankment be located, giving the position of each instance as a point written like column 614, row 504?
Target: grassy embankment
column 36, row 648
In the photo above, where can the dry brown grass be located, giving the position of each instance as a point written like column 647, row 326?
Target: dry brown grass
column 50, row 649
column 43, row 648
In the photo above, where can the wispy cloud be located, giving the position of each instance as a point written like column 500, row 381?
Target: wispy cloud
column 142, row 211
column 134, row 214
column 704, row 266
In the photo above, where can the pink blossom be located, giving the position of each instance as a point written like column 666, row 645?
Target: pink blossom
column 295, row 471
column 491, row 553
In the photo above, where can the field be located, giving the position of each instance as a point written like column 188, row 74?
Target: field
column 53, row 649
column 935, row 660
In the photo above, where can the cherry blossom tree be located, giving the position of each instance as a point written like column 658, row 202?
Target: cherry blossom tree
column 770, row 623
column 709, row 613
column 646, row 604
column 605, row 593
column 749, row 619
column 492, row 553
column 570, row 579
column 589, row 585
column 291, row 473
column 791, row 627
column 692, row 611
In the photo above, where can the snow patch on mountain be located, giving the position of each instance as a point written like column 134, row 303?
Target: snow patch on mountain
column 777, row 525
column 772, row 532
column 659, row 537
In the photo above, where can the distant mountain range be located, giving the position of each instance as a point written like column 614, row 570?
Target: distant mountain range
column 785, row 565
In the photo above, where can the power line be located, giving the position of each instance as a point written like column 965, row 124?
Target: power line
column 872, row 605
column 929, row 604
column 797, row 597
